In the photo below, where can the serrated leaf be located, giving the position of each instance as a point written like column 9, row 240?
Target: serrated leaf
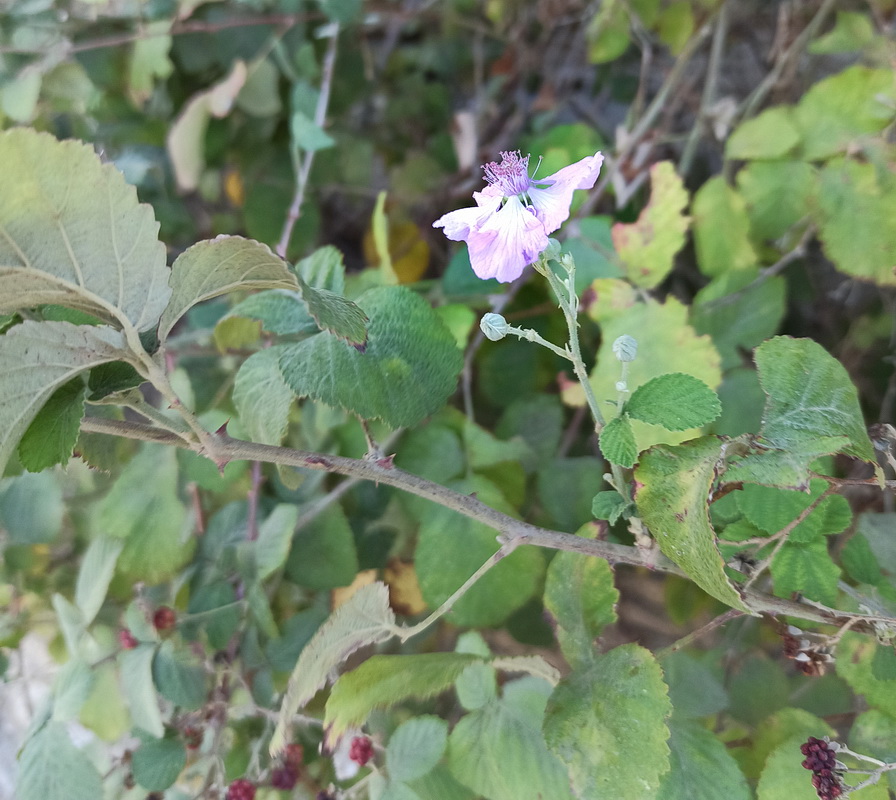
column 694, row 688
column 385, row 681
column 324, row 269
column 810, row 396
column 95, row 574
column 855, row 664
column 589, row 725
column 406, row 373
column 364, row 619
column 38, row 357
column 787, row 467
column 32, row 507
column 51, row 436
column 476, row 686
column 617, row 442
column 278, row 310
column 581, row 598
column 566, row 490
column 179, row 676
column 842, row 108
column 672, row 487
column 274, row 539
column 857, row 214
column 335, row 314
column 262, row 398
column 771, row 134
column 777, row 195
column 157, row 763
column 324, row 554
column 217, row 266
column 71, row 689
column 499, row 752
column 783, row 774
column 806, row 569
column 700, row 766
column 647, row 247
column 609, row 506
column 676, row 401
column 416, row 747
column 666, row 343
column 874, row 734
column 444, row 562
column 140, row 690
column 51, row 767
column 75, row 235
column 721, row 229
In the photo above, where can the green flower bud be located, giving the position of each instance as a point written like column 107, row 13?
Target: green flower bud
column 625, row 348
column 494, row 326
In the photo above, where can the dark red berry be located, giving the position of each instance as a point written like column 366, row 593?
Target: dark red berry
column 241, row 790
column 126, row 639
column 164, row 618
column 821, row 758
column 284, row 777
column 361, row 750
column 322, row 795
column 293, row 755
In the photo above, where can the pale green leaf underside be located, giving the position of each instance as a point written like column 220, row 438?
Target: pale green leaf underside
column 364, row 619
column 73, row 233
column 607, row 723
column 416, row 747
column 51, row 767
column 216, row 266
column 262, row 398
column 673, row 484
column 38, row 357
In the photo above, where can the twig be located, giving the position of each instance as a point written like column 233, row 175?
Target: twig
column 303, row 170
column 509, row 528
column 684, row 641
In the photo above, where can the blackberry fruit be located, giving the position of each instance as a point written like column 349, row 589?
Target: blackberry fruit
column 241, row 790
column 284, row 777
column 361, row 750
column 821, row 759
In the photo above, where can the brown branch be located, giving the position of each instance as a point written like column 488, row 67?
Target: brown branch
column 509, row 528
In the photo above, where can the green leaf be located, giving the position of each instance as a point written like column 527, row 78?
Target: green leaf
column 739, row 312
column 694, row 689
column 700, row 767
column 105, row 712
column 219, row 616
column 855, row 664
column 771, row 134
column 75, row 235
column 38, row 357
column 617, row 442
column 179, row 676
column 406, row 373
column 335, row 314
column 806, row 569
column 843, row 108
column 810, row 396
column 32, row 507
column 721, row 228
column 676, row 401
column 363, row 620
column 279, row 311
column 71, row 689
column 857, row 214
column 260, row 95
column 666, row 343
column 262, row 398
column 777, row 195
column 476, row 686
column 323, row 554
column 852, row 31
column 589, row 725
column 580, row 597
column 859, row 561
column 324, row 269
column 783, row 774
column 149, row 516
column 51, row 436
column 217, row 266
column 440, row 783
column 19, row 94
column 874, row 734
column 609, row 506
column 416, row 747
column 499, row 751
column 157, row 763
column 772, row 509
column 673, row 484
column 386, row 681
column 149, row 60
column 485, row 450
column 275, row 538
column 566, row 490
column 51, row 768
column 95, row 575
column 787, row 467
column 452, row 547
column 647, row 247
column 140, row 690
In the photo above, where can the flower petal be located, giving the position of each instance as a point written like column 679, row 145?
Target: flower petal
column 507, row 242
column 552, row 203
column 458, row 225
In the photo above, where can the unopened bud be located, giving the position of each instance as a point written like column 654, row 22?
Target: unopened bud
column 625, row 348
column 494, row 326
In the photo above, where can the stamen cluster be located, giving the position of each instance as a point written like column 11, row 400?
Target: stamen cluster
column 821, row 758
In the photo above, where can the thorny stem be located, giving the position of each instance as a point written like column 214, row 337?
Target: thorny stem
column 533, row 336
column 511, row 529
column 303, row 169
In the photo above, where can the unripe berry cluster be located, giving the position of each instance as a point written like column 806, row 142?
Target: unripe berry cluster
column 361, row 750
column 821, row 758
column 241, row 790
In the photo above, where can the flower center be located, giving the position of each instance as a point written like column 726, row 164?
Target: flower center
column 511, row 175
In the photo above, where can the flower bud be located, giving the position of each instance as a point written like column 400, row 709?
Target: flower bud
column 625, row 348
column 552, row 251
column 494, row 326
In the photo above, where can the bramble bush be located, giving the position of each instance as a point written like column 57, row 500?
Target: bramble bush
column 305, row 515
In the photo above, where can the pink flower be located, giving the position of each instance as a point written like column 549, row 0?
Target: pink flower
column 508, row 229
